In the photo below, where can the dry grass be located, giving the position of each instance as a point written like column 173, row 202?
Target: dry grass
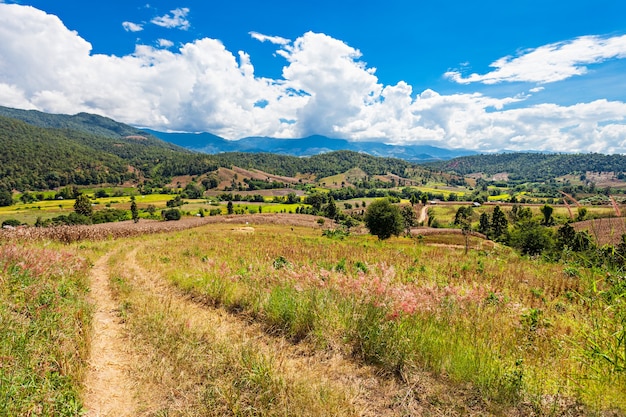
column 607, row 231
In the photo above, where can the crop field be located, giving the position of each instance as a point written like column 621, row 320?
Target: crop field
column 263, row 315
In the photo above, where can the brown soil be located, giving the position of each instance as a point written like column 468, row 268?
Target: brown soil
column 108, row 387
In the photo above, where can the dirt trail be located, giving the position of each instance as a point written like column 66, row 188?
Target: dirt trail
column 423, row 214
column 108, row 387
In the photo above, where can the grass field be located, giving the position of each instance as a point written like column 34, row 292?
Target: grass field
column 521, row 334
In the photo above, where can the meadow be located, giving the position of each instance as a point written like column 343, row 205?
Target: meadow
column 507, row 334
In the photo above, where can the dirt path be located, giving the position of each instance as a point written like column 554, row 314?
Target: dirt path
column 423, row 218
column 108, row 388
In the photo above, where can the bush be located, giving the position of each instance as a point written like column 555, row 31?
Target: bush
column 11, row 222
column 171, row 214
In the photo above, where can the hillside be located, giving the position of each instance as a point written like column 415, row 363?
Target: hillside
column 533, row 166
column 47, row 151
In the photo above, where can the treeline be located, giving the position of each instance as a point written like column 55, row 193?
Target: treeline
column 322, row 165
column 534, row 167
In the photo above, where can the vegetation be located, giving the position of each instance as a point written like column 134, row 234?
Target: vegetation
column 384, row 219
column 535, row 167
column 44, row 333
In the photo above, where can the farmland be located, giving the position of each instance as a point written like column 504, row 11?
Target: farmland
column 262, row 315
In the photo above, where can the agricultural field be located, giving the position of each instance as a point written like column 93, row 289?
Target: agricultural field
column 263, row 315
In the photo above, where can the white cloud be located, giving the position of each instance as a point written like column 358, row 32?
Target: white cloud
column 165, row 43
column 325, row 88
column 132, row 27
column 176, row 18
column 550, row 63
column 276, row 40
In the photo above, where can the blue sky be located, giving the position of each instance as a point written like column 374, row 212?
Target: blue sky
column 484, row 75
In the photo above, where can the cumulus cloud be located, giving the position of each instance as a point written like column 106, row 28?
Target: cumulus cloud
column 276, row 40
column 132, row 27
column 550, row 63
column 326, row 88
column 165, row 43
column 176, row 18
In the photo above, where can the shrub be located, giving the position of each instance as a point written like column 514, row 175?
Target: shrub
column 171, row 214
column 11, row 222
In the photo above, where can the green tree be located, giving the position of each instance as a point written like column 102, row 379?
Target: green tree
column 383, row 219
column 229, row 208
column 499, row 224
column 531, row 238
column 133, row 209
column 547, row 211
column 483, row 223
column 330, row 209
column 6, row 199
column 82, row 205
column 582, row 213
column 409, row 218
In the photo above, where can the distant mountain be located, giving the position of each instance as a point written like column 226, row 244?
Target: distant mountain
column 311, row 145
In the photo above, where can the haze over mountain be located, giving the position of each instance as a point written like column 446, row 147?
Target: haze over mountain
column 311, row 145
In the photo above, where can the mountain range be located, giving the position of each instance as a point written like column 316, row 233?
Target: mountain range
column 308, row 146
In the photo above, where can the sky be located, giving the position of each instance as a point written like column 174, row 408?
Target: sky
column 485, row 75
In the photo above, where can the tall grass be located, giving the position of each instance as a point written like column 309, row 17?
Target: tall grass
column 195, row 362
column 44, row 331
column 513, row 328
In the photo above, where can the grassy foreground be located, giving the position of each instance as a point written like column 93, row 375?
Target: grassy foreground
column 526, row 337
column 519, row 331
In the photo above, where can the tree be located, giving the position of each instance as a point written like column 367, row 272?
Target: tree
column 499, row 224
column 531, row 238
column 483, row 223
column 582, row 213
column 82, row 205
column 6, row 199
column 133, row 209
column 409, row 218
column 229, row 208
column 547, row 211
column 330, row 209
column 383, row 219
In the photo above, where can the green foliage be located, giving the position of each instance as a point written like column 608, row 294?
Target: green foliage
column 133, row 210
column 177, row 201
column 409, row 218
column 531, row 238
column 546, row 211
column 11, row 222
column 533, row 166
column 82, row 205
column 484, row 224
column 171, row 214
column 499, row 224
column 6, row 199
column 383, row 219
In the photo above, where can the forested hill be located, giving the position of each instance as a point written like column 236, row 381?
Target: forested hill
column 35, row 158
column 38, row 158
column 321, row 165
column 85, row 123
column 533, row 166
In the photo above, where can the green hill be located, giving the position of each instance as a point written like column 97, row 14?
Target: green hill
column 533, row 166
